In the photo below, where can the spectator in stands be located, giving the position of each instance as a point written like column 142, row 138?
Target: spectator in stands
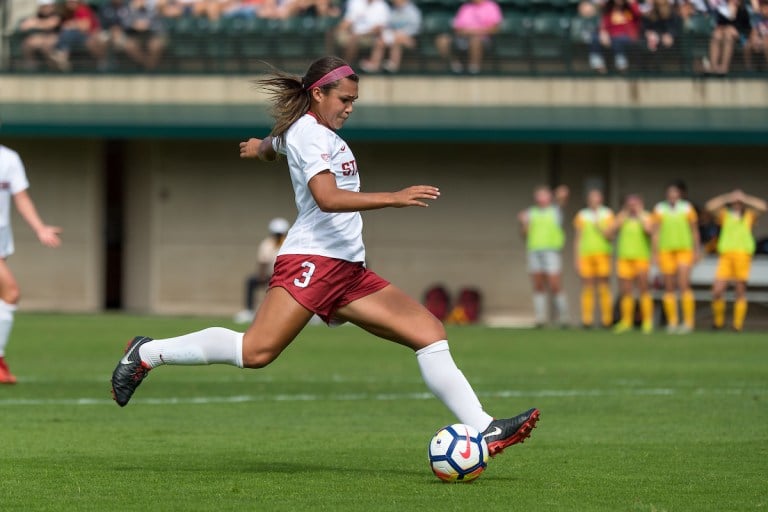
column 363, row 22
column 79, row 29
column 178, row 8
column 661, row 26
column 40, row 33
column 144, row 35
column 676, row 248
column 401, row 31
column 736, row 213
column 593, row 227
column 265, row 259
column 758, row 41
column 732, row 26
column 542, row 227
column 473, row 27
column 619, row 28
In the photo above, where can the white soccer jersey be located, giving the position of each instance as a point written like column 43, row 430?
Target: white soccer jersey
column 13, row 180
column 312, row 148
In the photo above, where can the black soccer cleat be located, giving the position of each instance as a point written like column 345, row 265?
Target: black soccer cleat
column 501, row 434
column 130, row 371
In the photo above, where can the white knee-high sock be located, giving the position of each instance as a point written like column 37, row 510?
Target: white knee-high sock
column 209, row 346
column 540, row 309
column 561, row 304
column 448, row 384
column 6, row 324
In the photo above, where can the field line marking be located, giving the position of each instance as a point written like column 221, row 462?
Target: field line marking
column 337, row 397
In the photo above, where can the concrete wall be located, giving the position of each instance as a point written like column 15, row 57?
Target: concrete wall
column 195, row 213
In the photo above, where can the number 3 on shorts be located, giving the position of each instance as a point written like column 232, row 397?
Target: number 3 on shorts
column 307, row 275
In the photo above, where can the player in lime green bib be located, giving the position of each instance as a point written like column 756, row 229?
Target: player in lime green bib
column 676, row 247
column 632, row 229
column 542, row 227
column 592, row 254
column 736, row 213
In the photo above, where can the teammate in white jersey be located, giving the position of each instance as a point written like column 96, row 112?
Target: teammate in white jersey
column 320, row 269
column 14, row 184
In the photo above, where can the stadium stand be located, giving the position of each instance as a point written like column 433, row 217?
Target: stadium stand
column 537, row 37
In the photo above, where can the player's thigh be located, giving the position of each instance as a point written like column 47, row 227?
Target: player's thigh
column 278, row 321
column 603, row 266
column 667, row 263
column 724, row 270
column 9, row 287
column 741, row 267
column 393, row 315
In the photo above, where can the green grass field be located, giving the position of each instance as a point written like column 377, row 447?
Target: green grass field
column 341, row 422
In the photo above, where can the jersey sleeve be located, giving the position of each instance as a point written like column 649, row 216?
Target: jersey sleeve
column 278, row 145
column 692, row 215
column 312, row 151
column 749, row 217
column 655, row 215
column 17, row 177
column 578, row 221
column 720, row 216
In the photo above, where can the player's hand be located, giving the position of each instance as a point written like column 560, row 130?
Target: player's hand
column 250, row 148
column 49, row 236
column 415, row 196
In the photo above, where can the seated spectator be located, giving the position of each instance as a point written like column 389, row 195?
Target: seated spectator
column 732, row 24
column 362, row 24
column 758, row 41
column 144, row 35
column 79, row 29
column 619, row 28
column 172, row 9
column 661, row 26
column 474, row 24
column 40, row 33
column 404, row 24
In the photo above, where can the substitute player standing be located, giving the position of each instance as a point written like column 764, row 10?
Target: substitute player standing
column 592, row 254
column 14, row 184
column 676, row 247
column 542, row 227
column 736, row 213
column 320, row 268
column 632, row 229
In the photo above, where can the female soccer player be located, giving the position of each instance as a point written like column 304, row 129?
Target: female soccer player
column 542, row 227
column 736, row 213
column 633, row 261
column 676, row 247
column 592, row 258
column 14, row 184
column 320, row 268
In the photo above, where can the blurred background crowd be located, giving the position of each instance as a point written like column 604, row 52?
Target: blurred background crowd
column 714, row 37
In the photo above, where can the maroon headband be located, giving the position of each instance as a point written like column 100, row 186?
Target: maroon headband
column 332, row 76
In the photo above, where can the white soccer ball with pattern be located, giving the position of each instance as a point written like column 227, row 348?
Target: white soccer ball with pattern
column 458, row 453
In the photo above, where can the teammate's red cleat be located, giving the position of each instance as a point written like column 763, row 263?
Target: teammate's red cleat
column 501, row 434
column 6, row 377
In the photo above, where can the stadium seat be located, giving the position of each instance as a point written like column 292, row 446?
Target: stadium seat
column 549, row 42
column 510, row 44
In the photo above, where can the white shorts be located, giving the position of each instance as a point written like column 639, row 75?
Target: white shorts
column 545, row 262
column 6, row 241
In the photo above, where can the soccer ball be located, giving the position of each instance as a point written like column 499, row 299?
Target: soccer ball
column 458, row 453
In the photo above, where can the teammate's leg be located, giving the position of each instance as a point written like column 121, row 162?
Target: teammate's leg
column 279, row 319
column 554, row 268
column 393, row 315
column 540, row 298
column 587, row 301
column 687, row 299
column 626, row 305
column 9, row 297
column 606, row 301
column 718, row 303
column 740, row 305
column 646, row 301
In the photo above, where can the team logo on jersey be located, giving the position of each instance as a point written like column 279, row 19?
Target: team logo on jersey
column 349, row 168
column 325, row 156
column 343, row 148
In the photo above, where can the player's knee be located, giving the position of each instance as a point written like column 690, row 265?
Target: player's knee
column 258, row 359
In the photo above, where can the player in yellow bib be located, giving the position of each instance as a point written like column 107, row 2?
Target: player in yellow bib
column 736, row 213
column 632, row 229
column 592, row 254
column 676, row 247
column 541, row 225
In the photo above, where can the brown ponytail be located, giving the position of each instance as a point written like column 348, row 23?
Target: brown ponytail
column 288, row 94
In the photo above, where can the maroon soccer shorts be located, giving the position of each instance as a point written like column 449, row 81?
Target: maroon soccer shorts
column 324, row 285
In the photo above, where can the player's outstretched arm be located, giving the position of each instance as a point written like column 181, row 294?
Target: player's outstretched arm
column 258, row 148
column 331, row 198
column 48, row 235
